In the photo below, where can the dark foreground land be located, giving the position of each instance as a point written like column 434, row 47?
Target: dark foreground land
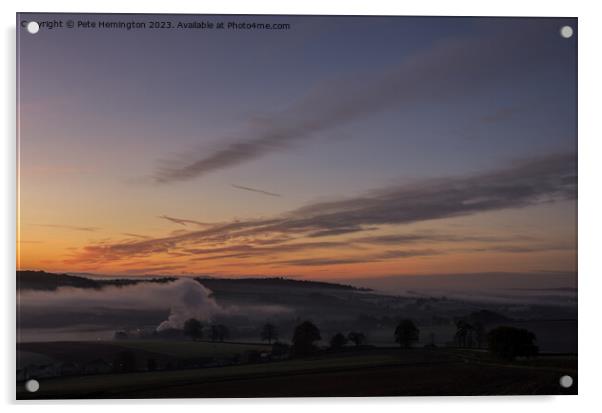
column 371, row 372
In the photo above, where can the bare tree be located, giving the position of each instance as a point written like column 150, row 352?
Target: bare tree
column 269, row 333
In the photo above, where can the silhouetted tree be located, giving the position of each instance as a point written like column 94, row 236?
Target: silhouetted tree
column 510, row 342
column 193, row 328
column 304, row 337
column 464, row 332
column 224, row 333
column 219, row 332
column 357, row 338
column 431, row 343
column 406, row 333
column 338, row 341
column 479, row 333
column 269, row 333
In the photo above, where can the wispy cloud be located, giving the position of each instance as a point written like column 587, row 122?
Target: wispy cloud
column 361, row 259
column 520, row 249
column 182, row 221
column 69, row 227
column 430, row 236
column 245, row 250
column 449, row 69
column 130, row 234
column 259, row 191
column 523, row 184
column 154, row 270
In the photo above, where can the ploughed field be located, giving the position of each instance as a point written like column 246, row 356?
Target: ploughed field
column 364, row 372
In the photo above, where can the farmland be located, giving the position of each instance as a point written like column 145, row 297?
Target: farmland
column 370, row 372
column 66, row 342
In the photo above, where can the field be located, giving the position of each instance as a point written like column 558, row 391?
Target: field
column 163, row 352
column 143, row 364
column 370, row 372
column 193, row 349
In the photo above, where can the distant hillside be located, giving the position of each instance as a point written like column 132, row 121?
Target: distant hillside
column 44, row 281
column 41, row 280
column 217, row 284
column 486, row 317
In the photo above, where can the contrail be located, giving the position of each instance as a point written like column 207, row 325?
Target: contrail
column 259, row 191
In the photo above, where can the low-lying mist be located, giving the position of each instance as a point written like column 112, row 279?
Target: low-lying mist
column 556, row 289
column 162, row 306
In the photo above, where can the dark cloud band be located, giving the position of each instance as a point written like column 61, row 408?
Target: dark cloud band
column 448, row 70
column 523, row 184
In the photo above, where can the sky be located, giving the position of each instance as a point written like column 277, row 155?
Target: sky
column 342, row 147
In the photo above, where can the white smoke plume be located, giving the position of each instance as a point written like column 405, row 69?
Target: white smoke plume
column 192, row 300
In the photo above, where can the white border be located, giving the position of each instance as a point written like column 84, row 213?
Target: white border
column 590, row 184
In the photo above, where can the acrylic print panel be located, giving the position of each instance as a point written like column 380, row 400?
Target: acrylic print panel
column 273, row 206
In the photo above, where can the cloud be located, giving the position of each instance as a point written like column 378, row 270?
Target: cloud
column 245, row 250
column 154, row 269
column 259, row 191
column 395, row 239
column 520, row 249
column 526, row 183
column 318, row 262
column 182, row 221
column 412, row 253
column 382, row 256
column 130, row 234
column 70, row 227
column 338, row 231
column 451, row 68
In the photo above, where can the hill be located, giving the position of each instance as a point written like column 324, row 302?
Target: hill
column 45, row 281
column 220, row 284
column 41, row 280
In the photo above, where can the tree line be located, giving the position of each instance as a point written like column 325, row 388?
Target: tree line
column 504, row 341
column 194, row 329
